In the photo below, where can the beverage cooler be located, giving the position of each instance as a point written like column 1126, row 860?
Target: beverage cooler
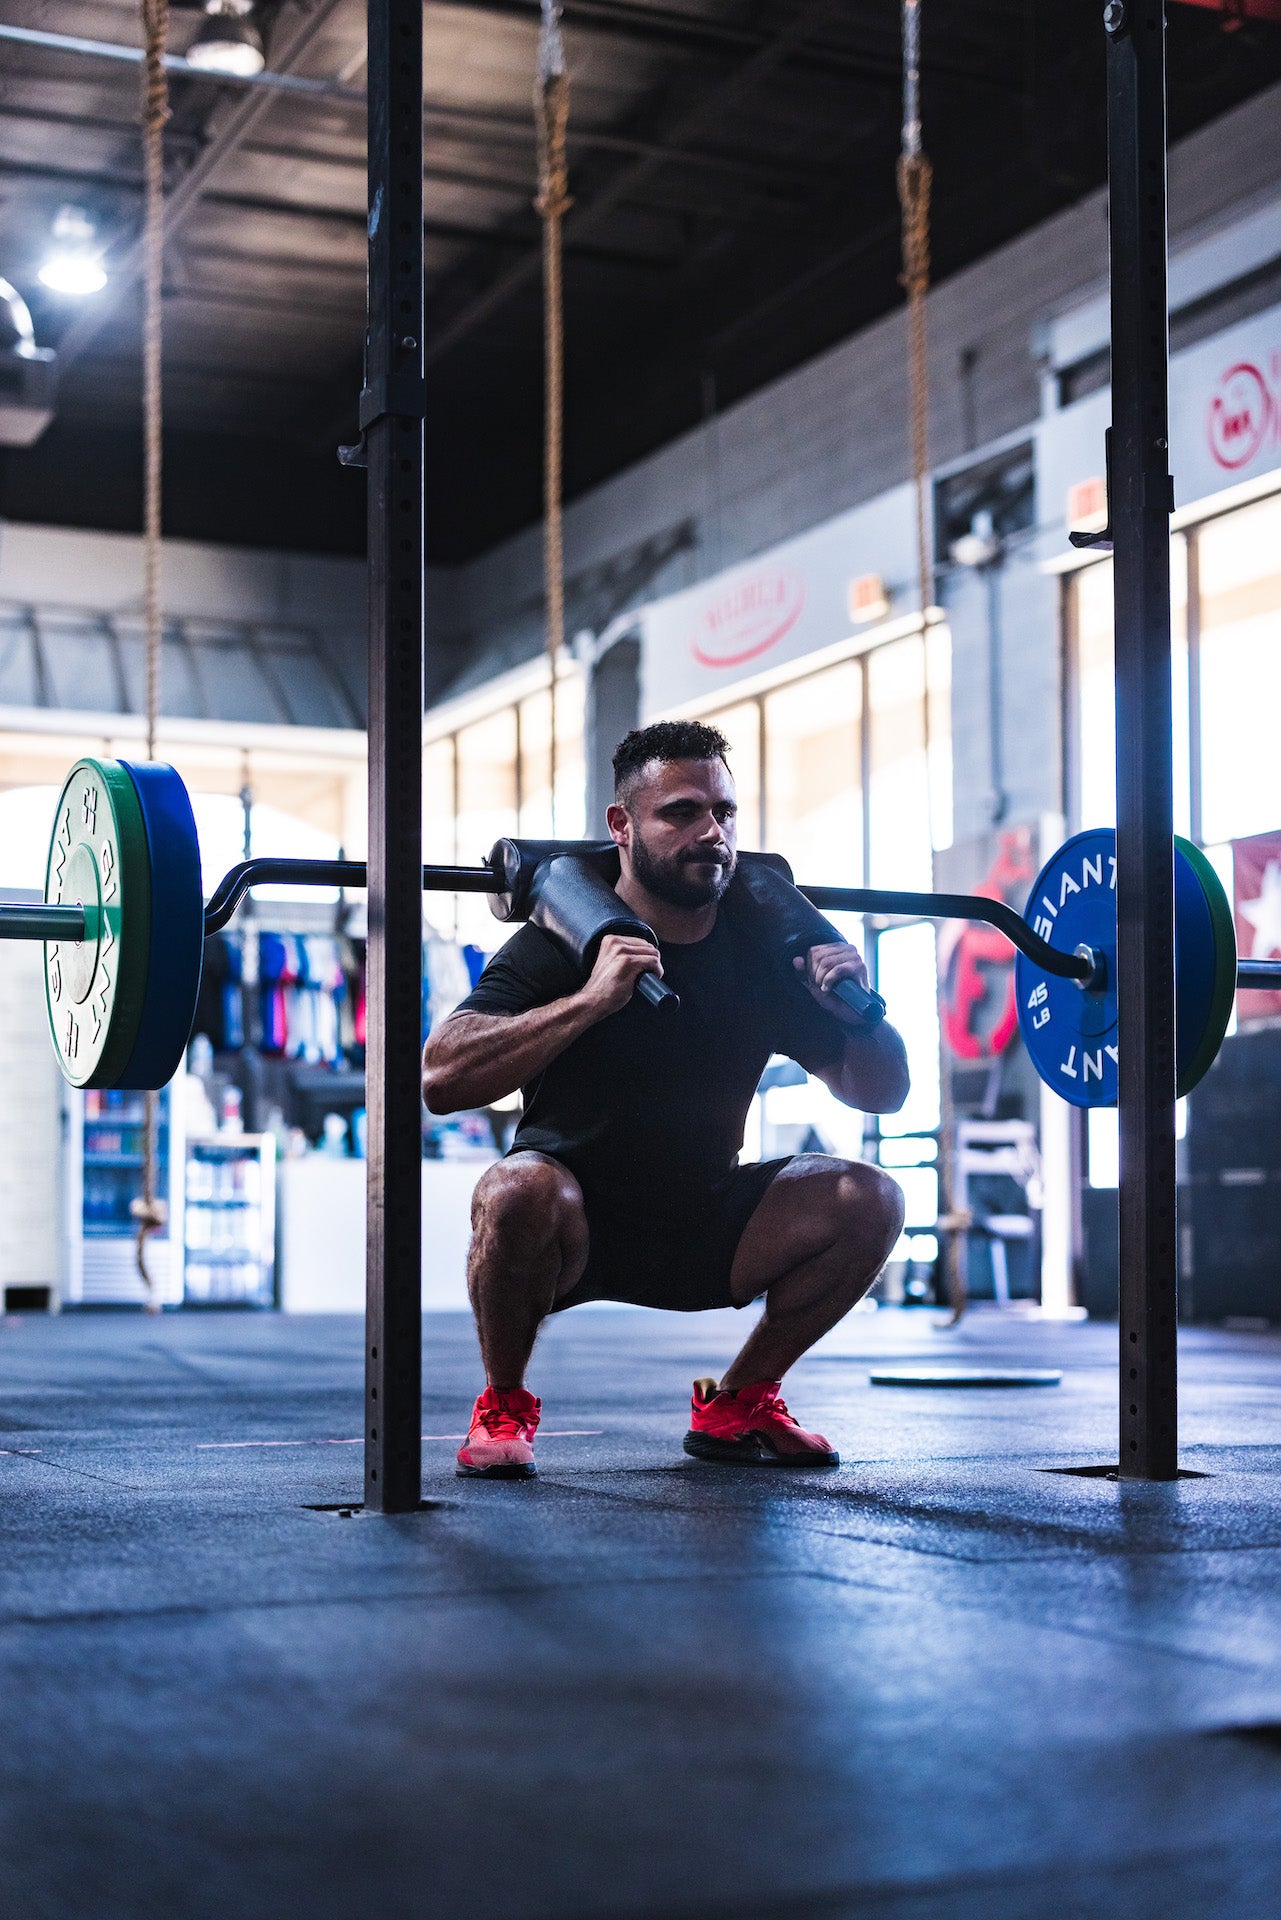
column 105, row 1142
column 230, row 1222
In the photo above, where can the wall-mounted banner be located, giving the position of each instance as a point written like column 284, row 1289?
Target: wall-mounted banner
column 1225, row 418
column 788, row 603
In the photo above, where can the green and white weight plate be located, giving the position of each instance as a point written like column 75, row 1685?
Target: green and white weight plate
column 98, row 859
column 1223, row 981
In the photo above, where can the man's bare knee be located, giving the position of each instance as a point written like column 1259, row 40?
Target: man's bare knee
column 868, row 1205
column 525, row 1203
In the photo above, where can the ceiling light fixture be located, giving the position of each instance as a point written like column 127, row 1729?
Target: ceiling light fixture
column 24, row 342
column 74, row 264
column 981, row 545
column 228, row 42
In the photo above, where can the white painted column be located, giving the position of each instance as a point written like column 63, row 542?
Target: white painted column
column 1057, row 1302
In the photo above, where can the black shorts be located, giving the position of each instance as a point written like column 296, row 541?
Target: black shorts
column 656, row 1258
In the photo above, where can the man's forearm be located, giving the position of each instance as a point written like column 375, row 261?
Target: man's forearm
column 872, row 1073
column 474, row 1059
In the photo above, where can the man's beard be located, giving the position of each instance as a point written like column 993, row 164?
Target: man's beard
column 675, row 880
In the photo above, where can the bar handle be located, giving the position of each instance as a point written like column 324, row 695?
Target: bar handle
column 863, row 1000
column 657, row 992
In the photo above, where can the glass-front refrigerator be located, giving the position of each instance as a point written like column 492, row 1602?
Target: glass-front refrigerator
column 106, row 1142
column 230, row 1220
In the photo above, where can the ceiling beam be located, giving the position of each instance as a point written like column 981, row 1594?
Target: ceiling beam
column 587, row 215
column 269, row 81
column 230, row 124
column 499, row 237
column 484, row 125
column 684, row 33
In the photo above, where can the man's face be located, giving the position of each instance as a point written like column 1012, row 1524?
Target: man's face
column 680, row 830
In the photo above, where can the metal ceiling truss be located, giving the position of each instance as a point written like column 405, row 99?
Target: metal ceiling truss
column 588, row 212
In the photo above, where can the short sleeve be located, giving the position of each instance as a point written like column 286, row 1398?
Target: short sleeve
column 528, row 972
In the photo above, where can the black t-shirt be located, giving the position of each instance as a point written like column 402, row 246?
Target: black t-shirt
column 653, row 1102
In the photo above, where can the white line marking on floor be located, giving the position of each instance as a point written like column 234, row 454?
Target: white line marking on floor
column 219, row 1446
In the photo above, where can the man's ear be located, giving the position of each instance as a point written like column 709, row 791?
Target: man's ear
column 619, row 824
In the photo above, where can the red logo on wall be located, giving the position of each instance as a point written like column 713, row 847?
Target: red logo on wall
column 976, row 963
column 1239, row 416
column 748, row 619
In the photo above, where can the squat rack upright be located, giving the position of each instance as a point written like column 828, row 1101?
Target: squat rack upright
column 391, row 423
column 1140, row 501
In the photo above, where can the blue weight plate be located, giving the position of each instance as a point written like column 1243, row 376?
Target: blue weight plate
column 1071, row 1035
column 177, row 927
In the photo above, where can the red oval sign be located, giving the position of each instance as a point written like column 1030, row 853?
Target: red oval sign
column 1237, row 422
column 748, row 619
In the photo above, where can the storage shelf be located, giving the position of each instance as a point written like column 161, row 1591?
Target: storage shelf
column 100, row 1230
column 226, row 1257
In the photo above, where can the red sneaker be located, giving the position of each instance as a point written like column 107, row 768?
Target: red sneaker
column 500, row 1441
column 752, row 1426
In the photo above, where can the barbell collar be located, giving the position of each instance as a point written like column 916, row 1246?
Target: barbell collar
column 20, row 920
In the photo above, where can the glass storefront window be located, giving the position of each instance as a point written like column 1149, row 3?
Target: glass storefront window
column 1095, row 718
column 825, row 804
column 490, row 778
column 438, row 803
column 741, row 726
column 1239, row 605
column 899, row 797
column 25, row 816
column 938, row 676
column 486, row 783
column 440, row 909
column 813, row 774
column 1095, row 714
column 535, row 763
column 906, row 976
column 486, row 786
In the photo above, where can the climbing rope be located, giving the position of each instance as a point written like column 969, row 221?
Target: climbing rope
column 915, row 178
column 551, row 111
column 150, row 1212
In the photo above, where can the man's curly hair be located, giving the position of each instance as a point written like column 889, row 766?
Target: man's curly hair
column 665, row 740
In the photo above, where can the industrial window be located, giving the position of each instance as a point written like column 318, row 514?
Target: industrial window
column 1226, row 681
column 847, row 771
column 1226, row 594
column 491, row 777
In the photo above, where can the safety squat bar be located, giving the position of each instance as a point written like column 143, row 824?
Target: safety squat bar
column 22, row 921
column 1085, row 968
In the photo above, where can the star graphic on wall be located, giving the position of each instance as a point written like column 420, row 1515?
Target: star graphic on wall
column 1264, row 914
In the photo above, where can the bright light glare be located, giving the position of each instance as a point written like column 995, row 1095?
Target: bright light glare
column 237, row 56
column 73, row 273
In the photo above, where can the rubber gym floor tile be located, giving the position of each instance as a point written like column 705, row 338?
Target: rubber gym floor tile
column 937, row 1683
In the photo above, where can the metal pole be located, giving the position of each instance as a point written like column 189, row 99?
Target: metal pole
column 391, row 418
column 1141, row 501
